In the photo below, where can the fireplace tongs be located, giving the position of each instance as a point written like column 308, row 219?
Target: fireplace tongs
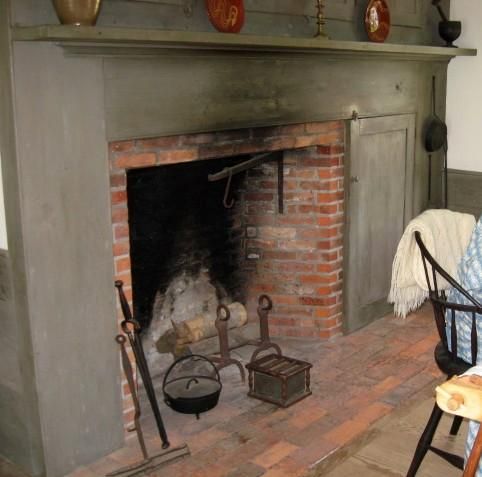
column 229, row 172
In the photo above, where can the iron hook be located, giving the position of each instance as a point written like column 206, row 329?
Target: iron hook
column 226, row 192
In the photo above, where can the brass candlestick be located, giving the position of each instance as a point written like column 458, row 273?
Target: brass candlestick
column 320, row 20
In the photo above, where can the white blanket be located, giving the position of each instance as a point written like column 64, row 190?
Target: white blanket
column 446, row 235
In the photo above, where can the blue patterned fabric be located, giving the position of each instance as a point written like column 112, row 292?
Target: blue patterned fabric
column 470, row 277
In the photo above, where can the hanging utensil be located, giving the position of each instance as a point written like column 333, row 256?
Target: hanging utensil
column 131, row 328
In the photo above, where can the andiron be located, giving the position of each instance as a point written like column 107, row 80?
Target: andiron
column 225, row 359
column 265, row 304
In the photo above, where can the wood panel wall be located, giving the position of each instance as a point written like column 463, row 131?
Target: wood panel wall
column 413, row 21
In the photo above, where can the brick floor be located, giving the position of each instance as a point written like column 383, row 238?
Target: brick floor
column 356, row 380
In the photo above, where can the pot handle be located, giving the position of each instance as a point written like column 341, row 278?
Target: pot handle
column 184, row 358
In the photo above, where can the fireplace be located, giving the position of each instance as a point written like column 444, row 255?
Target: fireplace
column 284, row 241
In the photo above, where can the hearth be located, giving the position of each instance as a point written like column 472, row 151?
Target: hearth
column 181, row 252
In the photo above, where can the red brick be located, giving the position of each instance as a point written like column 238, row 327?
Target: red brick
column 206, row 439
column 295, row 220
column 277, row 232
column 328, row 208
column 122, row 264
column 331, row 149
column 202, row 138
column 329, row 256
column 297, row 245
column 331, row 333
column 325, row 126
column 330, row 290
column 291, row 129
column 216, row 150
column 309, row 140
column 346, row 432
column 121, row 146
column 271, row 185
column 298, row 196
column 121, row 231
column 294, row 267
column 318, row 301
column 285, row 300
column 121, row 248
column 328, row 197
column 119, row 215
column 329, row 267
column 118, row 180
column 278, row 144
column 177, row 155
column 373, row 412
column 331, row 220
column 263, row 288
column 283, row 321
column 333, row 278
column 288, row 185
column 233, row 135
column 279, row 255
column 302, row 173
column 265, row 132
column 255, row 220
column 328, row 323
column 320, row 233
column 132, row 161
column 261, row 243
column 309, row 209
column 158, row 142
column 320, row 185
column 118, row 197
column 327, row 311
column 331, row 172
column 251, row 147
column 329, row 244
column 259, row 196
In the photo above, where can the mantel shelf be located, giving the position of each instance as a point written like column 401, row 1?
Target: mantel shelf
column 114, row 39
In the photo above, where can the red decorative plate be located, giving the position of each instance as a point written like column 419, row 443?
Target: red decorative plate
column 226, row 15
column 377, row 20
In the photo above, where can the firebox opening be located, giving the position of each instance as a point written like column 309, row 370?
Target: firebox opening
column 181, row 231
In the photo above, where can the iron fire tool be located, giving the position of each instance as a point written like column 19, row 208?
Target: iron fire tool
column 265, row 304
column 147, row 463
column 131, row 328
column 225, row 359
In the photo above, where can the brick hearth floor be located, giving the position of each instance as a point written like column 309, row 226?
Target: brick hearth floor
column 356, row 380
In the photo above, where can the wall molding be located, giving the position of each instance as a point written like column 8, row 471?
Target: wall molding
column 465, row 191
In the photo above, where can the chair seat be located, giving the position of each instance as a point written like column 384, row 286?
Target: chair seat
column 447, row 364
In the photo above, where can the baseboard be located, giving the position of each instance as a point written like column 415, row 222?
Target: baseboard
column 465, row 191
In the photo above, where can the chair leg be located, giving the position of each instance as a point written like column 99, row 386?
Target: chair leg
column 425, row 440
column 456, row 423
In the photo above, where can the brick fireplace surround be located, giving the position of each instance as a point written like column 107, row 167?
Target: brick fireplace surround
column 300, row 251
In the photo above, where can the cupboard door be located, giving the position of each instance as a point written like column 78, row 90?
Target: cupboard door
column 379, row 201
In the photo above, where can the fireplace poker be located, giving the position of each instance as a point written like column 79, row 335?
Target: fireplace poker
column 147, row 463
column 126, row 365
column 131, row 328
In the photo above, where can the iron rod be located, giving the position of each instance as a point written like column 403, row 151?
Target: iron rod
column 241, row 167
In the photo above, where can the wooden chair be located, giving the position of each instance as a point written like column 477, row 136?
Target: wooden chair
column 446, row 359
column 462, row 396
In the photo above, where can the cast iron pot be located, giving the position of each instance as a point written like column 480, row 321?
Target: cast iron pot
column 191, row 394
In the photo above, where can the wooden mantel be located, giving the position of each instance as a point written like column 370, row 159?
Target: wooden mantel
column 101, row 39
